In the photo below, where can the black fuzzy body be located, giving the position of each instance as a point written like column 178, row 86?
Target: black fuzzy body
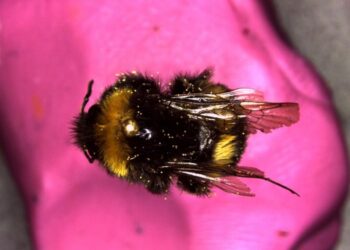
column 192, row 133
column 175, row 137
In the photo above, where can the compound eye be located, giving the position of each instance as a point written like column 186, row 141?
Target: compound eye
column 130, row 128
column 93, row 112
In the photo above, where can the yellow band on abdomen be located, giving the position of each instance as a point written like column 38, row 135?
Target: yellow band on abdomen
column 224, row 149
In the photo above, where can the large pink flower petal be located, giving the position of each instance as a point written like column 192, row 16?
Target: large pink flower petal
column 49, row 51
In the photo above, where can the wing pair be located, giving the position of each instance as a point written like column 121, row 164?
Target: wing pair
column 224, row 178
column 231, row 106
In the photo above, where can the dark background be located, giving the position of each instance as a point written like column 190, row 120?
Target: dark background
column 318, row 29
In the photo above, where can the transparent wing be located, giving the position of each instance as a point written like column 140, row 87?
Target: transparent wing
column 265, row 116
column 228, row 183
column 234, row 105
column 243, row 94
column 225, row 178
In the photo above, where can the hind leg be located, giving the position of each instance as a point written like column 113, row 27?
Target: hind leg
column 158, row 184
column 155, row 182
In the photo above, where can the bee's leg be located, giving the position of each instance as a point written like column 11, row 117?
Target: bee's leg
column 158, row 183
column 250, row 172
column 193, row 186
column 201, row 83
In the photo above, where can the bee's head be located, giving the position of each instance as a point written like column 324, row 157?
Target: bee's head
column 84, row 132
column 105, row 131
column 83, row 127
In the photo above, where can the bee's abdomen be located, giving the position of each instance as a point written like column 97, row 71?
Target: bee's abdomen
column 228, row 147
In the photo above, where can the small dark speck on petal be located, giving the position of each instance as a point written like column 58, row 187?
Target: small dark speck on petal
column 155, row 28
column 138, row 230
column 246, row 31
column 282, row 233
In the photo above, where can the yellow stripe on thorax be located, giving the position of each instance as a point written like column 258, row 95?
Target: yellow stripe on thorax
column 224, row 149
column 115, row 151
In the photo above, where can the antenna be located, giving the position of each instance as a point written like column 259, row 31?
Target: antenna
column 87, row 96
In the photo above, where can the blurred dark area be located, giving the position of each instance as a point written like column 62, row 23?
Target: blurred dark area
column 318, row 29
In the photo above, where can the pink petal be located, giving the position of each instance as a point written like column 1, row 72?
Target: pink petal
column 49, row 52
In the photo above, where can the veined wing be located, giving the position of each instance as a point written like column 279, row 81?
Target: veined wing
column 247, row 104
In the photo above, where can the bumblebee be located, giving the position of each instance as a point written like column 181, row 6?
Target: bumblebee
column 193, row 133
